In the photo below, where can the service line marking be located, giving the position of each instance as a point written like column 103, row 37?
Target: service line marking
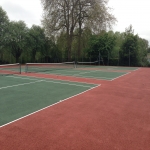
column 20, row 84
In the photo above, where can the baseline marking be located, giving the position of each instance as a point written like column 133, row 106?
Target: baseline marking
column 48, row 106
column 136, row 69
column 120, row 76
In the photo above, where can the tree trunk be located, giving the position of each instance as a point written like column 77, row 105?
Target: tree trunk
column 79, row 40
column 18, row 53
column 80, row 31
column 17, row 59
column 69, row 44
column 33, row 55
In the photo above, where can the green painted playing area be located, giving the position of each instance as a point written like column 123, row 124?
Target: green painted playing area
column 21, row 96
column 108, row 67
column 96, row 72
column 69, row 69
column 107, row 75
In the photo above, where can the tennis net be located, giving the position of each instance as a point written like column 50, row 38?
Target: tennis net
column 45, row 67
column 9, row 69
column 87, row 64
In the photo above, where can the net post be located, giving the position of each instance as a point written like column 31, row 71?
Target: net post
column 99, row 58
column 19, row 68
column 75, row 66
column 26, row 68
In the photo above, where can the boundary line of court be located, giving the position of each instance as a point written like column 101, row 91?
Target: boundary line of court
column 112, row 67
column 60, row 79
column 66, row 83
column 86, row 72
column 136, row 69
column 57, row 82
column 120, row 76
column 19, row 84
column 102, row 78
column 80, row 76
column 49, row 106
column 126, row 68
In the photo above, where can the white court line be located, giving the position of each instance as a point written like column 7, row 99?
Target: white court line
column 21, row 78
column 58, row 82
column 120, row 76
column 104, row 78
column 80, row 76
column 58, row 79
column 66, row 83
column 86, row 72
column 126, row 69
column 68, row 71
column 136, row 69
column 19, row 84
column 63, row 74
column 48, row 106
column 87, row 77
column 76, row 75
column 59, row 71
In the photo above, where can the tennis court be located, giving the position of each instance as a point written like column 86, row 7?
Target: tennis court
column 21, row 96
column 69, row 69
column 38, row 112
column 81, row 70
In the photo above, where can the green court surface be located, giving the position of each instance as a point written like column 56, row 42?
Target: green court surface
column 84, row 71
column 124, row 68
column 110, row 67
column 21, row 96
column 96, row 74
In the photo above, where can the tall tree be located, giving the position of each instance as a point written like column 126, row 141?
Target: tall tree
column 130, row 51
column 36, row 40
column 17, row 38
column 117, row 48
column 50, row 51
column 3, row 30
column 67, row 15
column 59, row 16
column 101, row 46
column 143, row 51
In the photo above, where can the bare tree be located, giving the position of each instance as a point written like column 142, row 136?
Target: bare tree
column 59, row 15
column 68, row 15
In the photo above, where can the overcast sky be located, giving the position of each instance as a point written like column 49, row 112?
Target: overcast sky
column 30, row 11
column 135, row 12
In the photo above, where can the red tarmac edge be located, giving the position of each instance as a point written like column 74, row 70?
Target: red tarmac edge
column 113, row 116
